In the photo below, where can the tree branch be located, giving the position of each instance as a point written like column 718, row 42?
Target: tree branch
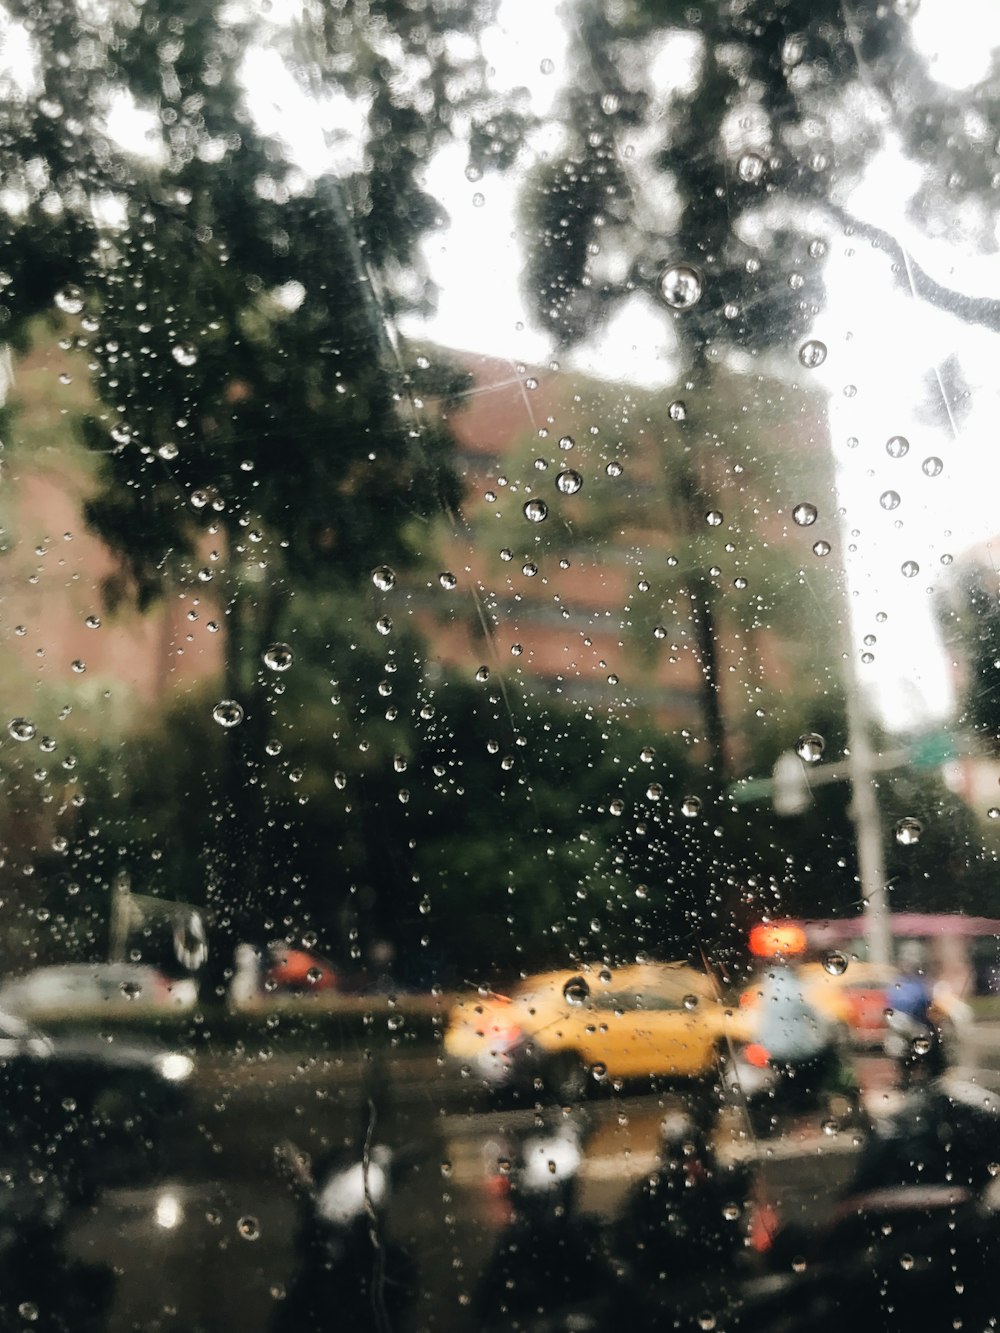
column 981, row 310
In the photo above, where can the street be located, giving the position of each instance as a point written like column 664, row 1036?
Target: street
column 210, row 1246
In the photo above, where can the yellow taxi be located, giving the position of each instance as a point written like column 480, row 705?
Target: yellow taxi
column 661, row 1020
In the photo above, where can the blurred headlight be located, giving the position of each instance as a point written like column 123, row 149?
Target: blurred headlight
column 175, row 1067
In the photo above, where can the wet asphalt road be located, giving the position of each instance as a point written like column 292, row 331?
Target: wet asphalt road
column 208, row 1246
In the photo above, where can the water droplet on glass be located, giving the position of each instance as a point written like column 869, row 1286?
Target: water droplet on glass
column 569, row 482
column 931, row 467
column 566, row 442
column 546, row 66
column 691, row 807
column 921, row 1045
column 706, row 1320
column 908, row 831
column 906, row 1261
column 647, row 754
column 713, row 518
column 817, row 249
column 228, row 713
column 483, row 674
column 810, row 747
column 831, row 1127
column 805, row 514
column 278, row 657
column 617, row 806
column 680, row 286
column 93, row 622
column 447, row 580
column 199, row 499
column 822, row 548
column 383, row 577
column 889, row 499
column 20, row 729
column 660, row 632
column 130, row 989
column 28, row 1310
column 576, row 990
column 835, row 963
column 614, row 468
column 69, row 300
column 599, row 1070
column 529, row 569
column 897, row 446
column 812, row 353
column 384, row 624
column 909, row 569
column 536, row 511
column 677, row 411
column 690, row 1002
column 750, row 168
column 248, row 1227
column 185, row 354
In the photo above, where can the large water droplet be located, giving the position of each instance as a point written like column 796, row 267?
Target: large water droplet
column 805, row 514
column 822, row 548
column 714, row 518
column 908, row 831
column 690, row 1002
column 680, row 286
column 383, row 577
column 897, row 446
column 810, row 747
column 906, row 1261
column 21, row 729
column 69, row 300
column 750, row 168
column 278, row 657
column 835, row 963
column 909, row 569
column 677, row 411
column 569, row 482
column 812, row 353
column 249, row 1228
column 168, row 451
column 536, row 511
column 576, row 990
column 889, row 499
column 185, row 354
column 228, row 713
column 931, row 467
column 447, row 580
column 691, row 807
column 647, row 754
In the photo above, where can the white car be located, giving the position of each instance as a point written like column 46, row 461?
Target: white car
column 70, row 987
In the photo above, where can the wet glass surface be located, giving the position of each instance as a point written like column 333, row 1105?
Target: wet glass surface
column 499, row 730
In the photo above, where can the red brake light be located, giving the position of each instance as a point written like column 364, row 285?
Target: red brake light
column 756, row 1055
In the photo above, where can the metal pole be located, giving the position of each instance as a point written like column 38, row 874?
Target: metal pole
column 120, row 913
column 867, row 826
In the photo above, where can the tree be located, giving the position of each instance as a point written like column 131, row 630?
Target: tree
column 255, row 423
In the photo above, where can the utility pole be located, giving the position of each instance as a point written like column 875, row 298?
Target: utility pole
column 867, row 827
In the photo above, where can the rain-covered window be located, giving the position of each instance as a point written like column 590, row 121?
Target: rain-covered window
column 500, row 718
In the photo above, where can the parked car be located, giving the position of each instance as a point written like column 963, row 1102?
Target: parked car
column 70, row 988
column 661, row 1020
column 88, row 1109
